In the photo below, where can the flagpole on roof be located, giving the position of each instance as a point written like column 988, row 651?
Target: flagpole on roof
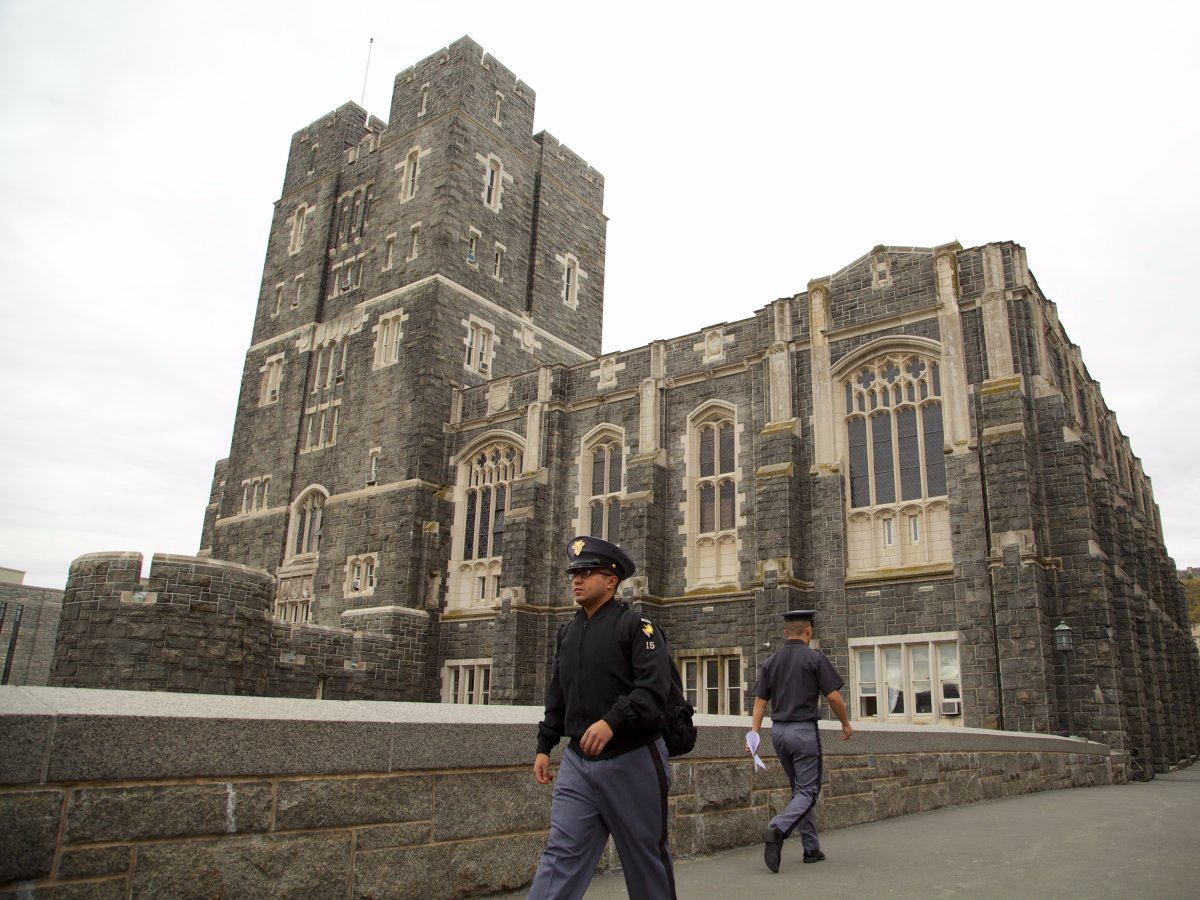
column 367, row 72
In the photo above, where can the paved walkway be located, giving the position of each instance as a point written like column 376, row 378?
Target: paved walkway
column 1125, row 841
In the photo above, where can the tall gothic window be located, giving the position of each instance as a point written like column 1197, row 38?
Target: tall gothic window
column 603, row 484
column 714, row 497
column 484, row 480
column 896, row 463
column 307, row 515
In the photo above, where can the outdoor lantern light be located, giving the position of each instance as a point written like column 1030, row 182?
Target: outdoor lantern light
column 1062, row 637
column 1064, row 643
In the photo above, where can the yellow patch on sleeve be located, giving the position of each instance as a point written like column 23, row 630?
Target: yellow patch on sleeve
column 647, row 628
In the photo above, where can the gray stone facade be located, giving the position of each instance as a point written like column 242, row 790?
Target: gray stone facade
column 28, row 627
column 912, row 446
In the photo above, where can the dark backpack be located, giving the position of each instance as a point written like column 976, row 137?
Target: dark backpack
column 679, row 734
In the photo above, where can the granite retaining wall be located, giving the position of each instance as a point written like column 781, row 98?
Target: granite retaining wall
column 137, row 794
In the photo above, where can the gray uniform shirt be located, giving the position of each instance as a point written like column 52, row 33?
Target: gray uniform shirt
column 794, row 679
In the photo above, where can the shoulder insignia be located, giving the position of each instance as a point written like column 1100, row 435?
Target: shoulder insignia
column 647, row 628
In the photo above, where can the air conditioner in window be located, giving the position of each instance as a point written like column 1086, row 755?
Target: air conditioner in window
column 951, row 707
column 354, row 585
column 370, row 478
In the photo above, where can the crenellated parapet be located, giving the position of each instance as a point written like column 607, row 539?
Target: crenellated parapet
column 193, row 625
column 199, row 625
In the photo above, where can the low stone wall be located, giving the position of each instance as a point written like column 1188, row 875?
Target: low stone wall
column 124, row 793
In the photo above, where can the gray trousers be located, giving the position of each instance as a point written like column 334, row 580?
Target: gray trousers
column 798, row 746
column 625, row 796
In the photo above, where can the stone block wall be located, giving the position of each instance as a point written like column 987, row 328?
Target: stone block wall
column 193, row 625
column 28, row 627
column 204, row 626
column 115, row 794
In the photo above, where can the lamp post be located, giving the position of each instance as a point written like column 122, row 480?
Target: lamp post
column 1064, row 643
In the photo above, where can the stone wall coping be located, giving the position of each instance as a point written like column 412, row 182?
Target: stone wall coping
column 386, row 611
column 54, row 735
column 109, row 554
column 207, row 564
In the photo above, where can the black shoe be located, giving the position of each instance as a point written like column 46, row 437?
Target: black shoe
column 772, row 847
column 815, row 856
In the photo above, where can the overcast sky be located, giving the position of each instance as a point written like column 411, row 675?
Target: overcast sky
column 745, row 152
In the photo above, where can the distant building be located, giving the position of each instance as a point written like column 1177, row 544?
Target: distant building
column 911, row 445
column 28, row 627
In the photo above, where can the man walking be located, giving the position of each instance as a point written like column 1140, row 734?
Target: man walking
column 608, row 694
column 793, row 680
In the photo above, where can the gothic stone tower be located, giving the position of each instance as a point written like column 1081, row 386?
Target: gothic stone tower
column 407, row 261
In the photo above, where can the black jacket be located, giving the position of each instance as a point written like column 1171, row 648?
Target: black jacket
column 614, row 667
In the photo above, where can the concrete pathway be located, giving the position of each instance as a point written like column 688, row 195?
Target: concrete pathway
column 1125, row 841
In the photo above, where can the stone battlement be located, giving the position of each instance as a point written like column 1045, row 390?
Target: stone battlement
column 200, row 625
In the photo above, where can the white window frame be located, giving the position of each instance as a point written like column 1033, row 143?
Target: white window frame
column 414, row 232
column 480, row 345
column 570, row 280
column 361, row 575
column 475, row 567
column 498, row 262
column 698, row 668
column 272, row 380
column 467, row 681
column 494, row 179
column 609, row 440
column 410, row 173
column 389, row 337
column 298, row 609
column 389, row 251
column 321, row 425
column 473, row 236
column 945, row 692
column 712, row 555
column 256, row 494
column 306, row 522
column 297, row 222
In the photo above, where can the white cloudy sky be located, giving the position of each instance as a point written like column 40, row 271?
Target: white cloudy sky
column 746, row 149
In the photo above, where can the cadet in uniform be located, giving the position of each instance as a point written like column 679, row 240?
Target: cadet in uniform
column 793, row 679
column 607, row 695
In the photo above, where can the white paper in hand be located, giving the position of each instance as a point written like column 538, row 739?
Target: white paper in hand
column 752, row 740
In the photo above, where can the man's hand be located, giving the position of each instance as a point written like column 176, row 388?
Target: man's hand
column 846, row 731
column 596, row 738
column 541, row 769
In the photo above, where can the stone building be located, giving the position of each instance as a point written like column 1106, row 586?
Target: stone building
column 28, row 628
column 912, row 446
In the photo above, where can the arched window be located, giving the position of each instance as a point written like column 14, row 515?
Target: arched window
column 895, row 462
column 307, row 515
column 713, row 500
column 603, row 483
column 360, row 575
column 894, row 431
column 484, row 478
